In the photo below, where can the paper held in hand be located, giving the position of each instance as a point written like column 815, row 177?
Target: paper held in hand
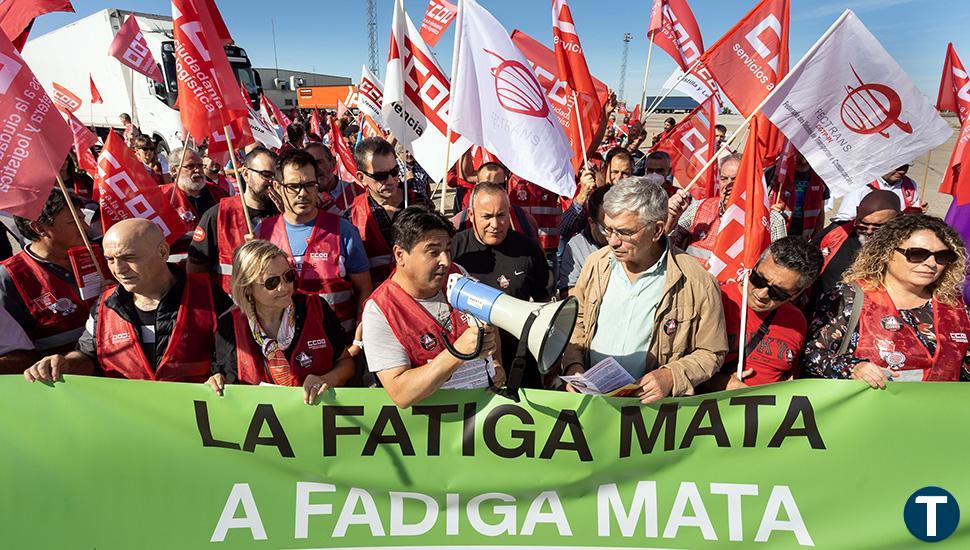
column 471, row 375
column 605, row 378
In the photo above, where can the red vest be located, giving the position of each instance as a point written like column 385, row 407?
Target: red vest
column 813, row 202
column 230, row 234
column 887, row 341
column 909, row 206
column 414, row 328
column 188, row 356
column 312, row 353
column 320, row 272
column 180, row 201
column 544, row 207
column 377, row 248
column 703, row 231
column 58, row 311
column 833, row 241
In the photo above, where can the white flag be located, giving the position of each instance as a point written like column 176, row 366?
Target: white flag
column 852, row 111
column 370, row 95
column 416, row 99
column 500, row 105
column 263, row 132
column 698, row 84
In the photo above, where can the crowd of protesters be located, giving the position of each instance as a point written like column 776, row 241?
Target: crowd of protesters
column 343, row 283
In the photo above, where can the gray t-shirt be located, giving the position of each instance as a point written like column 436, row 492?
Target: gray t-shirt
column 381, row 347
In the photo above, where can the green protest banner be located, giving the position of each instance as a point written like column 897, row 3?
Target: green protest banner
column 112, row 464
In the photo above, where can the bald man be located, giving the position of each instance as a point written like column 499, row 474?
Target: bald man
column 840, row 242
column 144, row 328
column 522, row 221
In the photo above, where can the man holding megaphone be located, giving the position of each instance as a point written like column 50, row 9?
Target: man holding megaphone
column 413, row 339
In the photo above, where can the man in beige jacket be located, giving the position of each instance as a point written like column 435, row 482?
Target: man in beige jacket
column 644, row 302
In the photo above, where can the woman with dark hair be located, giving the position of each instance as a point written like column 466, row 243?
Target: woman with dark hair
column 899, row 312
column 274, row 335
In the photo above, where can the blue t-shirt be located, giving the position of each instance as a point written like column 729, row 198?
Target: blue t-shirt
column 352, row 253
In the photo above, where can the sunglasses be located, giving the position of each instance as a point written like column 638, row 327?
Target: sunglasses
column 918, row 255
column 266, row 174
column 271, row 283
column 758, row 281
column 382, row 176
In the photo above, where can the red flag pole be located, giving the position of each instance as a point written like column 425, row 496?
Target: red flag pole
column 80, row 227
column 235, row 168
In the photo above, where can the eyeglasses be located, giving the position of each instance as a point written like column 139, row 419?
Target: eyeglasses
column 382, row 176
column 272, row 282
column 759, row 281
column 295, row 188
column 867, row 228
column 917, row 255
column 266, row 174
column 622, row 234
column 192, row 167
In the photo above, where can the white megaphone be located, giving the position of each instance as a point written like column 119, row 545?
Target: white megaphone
column 544, row 327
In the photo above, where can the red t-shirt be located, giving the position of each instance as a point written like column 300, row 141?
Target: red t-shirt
column 775, row 358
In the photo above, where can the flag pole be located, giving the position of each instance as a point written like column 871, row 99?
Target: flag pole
column 811, row 51
column 656, row 103
column 451, row 111
column 579, row 122
column 646, row 73
column 131, row 97
column 80, row 228
column 742, row 339
column 185, row 149
column 926, row 175
column 235, row 168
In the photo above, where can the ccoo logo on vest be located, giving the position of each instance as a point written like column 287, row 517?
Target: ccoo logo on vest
column 931, row 514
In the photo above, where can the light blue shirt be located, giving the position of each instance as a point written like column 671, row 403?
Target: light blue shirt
column 352, row 253
column 627, row 314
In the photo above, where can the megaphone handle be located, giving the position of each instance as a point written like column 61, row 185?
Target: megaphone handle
column 464, row 356
column 513, row 380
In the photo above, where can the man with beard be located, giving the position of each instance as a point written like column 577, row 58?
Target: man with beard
column 336, row 194
column 502, row 259
column 840, row 242
column 223, row 228
column 190, row 193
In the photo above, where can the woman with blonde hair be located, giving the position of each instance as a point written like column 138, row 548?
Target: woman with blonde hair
column 275, row 335
column 899, row 312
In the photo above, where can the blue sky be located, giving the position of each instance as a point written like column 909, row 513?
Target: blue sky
column 330, row 36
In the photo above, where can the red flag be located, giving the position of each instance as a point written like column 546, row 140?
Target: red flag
column 126, row 190
column 65, row 99
column 35, row 138
column 752, row 57
column 315, row 126
column 341, row 108
column 690, row 144
column 570, row 59
column 207, row 88
column 16, row 16
column 743, row 234
column 245, row 95
column 636, row 113
column 95, row 94
column 440, row 14
column 674, row 29
column 369, row 128
column 954, row 96
column 222, row 31
column 346, row 165
column 84, row 140
column 281, row 119
column 543, row 62
column 130, row 48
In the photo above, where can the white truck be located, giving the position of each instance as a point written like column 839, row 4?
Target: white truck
column 70, row 54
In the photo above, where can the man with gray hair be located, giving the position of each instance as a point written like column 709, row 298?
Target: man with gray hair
column 645, row 303
column 190, row 193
